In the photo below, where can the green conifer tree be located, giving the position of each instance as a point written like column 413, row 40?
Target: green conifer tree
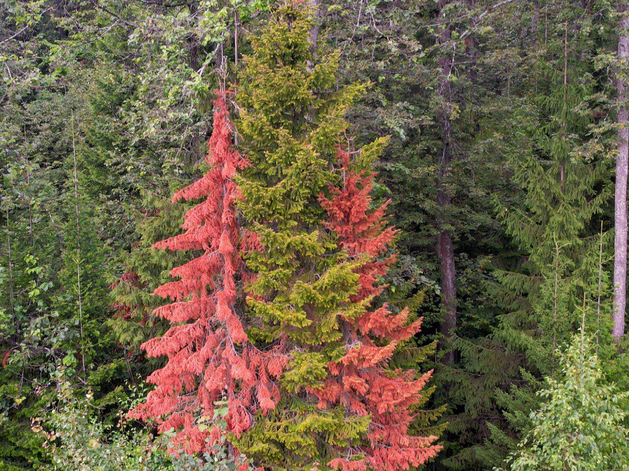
column 563, row 180
column 292, row 122
column 554, row 193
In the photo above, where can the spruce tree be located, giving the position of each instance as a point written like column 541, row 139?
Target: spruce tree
column 556, row 227
column 554, row 222
column 317, row 266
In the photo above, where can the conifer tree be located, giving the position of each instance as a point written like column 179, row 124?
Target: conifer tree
column 554, row 222
column 317, row 264
column 210, row 361
column 360, row 380
column 144, row 270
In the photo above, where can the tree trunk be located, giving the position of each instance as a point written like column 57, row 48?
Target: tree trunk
column 193, row 43
column 445, row 248
column 620, row 214
column 314, row 32
column 313, row 37
column 471, row 46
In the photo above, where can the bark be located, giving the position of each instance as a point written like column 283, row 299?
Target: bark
column 471, row 47
column 445, row 247
column 313, row 38
column 535, row 20
column 193, row 43
column 314, row 32
column 445, row 250
column 620, row 213
column 236, row 28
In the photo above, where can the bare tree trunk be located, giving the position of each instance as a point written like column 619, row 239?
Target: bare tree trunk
column 314, row 32
column 535, row 19
column 600, row 288
column 236, row 28
column 620, row 214
column 471, row 46
column 313, row 38
column 193, row 42
column 445, row 247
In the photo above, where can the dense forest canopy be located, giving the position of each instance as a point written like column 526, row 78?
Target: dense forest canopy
column 314, row 235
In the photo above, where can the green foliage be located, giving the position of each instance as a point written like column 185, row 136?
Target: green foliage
column 74, row 438
column 580, row 425
column 291, row 120
column 127, row 86
column 144, row 270
column 117, row 92
column 219, row 460
column 77, row 441
column 291, row 124
column 565, row 193
column 295, row 436
column 543, row 280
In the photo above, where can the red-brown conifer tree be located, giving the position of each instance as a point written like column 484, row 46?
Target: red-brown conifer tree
column 210, row 359
column 360, row 380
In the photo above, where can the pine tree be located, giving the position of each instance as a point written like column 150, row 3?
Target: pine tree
column 211, row 365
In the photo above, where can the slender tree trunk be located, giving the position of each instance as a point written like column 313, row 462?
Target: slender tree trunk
column 193, row 43
column 314, row 31
column 79, row 298
column 620, row 214
column 600, row 285
column 555, row 304
column 445, row 250
column 445, row 247
column 535, row 19
column 236, row 29
column 471, row 46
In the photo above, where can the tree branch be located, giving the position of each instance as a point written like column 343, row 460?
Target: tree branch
column 15, row 35
column 111, row 13
column 485, row 13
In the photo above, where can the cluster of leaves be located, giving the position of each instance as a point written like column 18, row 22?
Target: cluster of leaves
column 76, row 440
column 581, row 425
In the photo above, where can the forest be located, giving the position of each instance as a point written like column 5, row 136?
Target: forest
column 314, row 235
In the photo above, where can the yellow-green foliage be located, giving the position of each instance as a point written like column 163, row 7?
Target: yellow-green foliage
column 296, row 436
column 291, row 122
